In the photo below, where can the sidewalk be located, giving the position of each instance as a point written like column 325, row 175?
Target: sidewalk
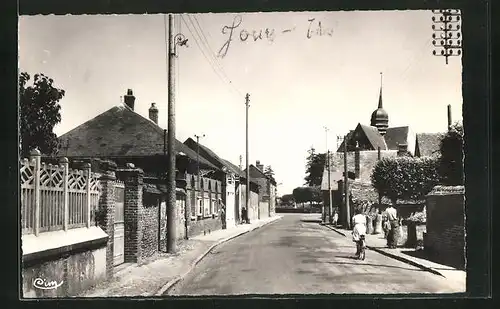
column 163, row 270
column 378, row 243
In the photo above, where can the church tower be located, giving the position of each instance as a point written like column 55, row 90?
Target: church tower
column 380, row 118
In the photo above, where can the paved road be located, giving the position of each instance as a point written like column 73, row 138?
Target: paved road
column 297, row 255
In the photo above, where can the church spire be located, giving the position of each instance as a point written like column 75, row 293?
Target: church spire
column 380, row 96
column 380, row 118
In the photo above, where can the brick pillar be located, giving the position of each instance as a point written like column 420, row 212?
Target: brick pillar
column 133, row 180
column 106, row 213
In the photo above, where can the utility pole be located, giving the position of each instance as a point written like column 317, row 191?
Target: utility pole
column 179, row 39
column 200, row 197
column 247, row 103
column 449, row 117
column 171, row 194
column 346, row 185
column 330, row 208
column 445, row 27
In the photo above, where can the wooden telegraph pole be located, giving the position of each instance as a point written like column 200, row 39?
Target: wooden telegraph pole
column 346, row 185
column 171, row 196
column 200, row 196
column 179, row 39
column 247, row 103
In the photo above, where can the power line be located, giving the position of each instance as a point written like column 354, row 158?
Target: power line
column 212, row 53
column 205, row 55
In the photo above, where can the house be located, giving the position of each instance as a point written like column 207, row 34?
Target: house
column 126, row 137
column 267, row 191
column 235, row 181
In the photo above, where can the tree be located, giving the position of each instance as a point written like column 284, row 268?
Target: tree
column 315, row 164
column 268, row 171
column 405, row 177
column 287, row 199
column 451, row 168
column 39, row 113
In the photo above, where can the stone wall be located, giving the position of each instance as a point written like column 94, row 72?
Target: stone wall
column 75, row 273
column 445, row 234
column 264, row 210
column 205, row 226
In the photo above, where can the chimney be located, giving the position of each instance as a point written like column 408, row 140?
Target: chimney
column 402, row 149
column 153, row 113
column 129, row 99
column 259, row 166
column 449, row 116
column 357, row 166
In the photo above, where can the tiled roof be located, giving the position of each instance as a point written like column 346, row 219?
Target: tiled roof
column 428, row 143
column 375, row 139
column 235, row 168
column 119, row 132
column 374, row 136
column 395, row 136
column 258, row 173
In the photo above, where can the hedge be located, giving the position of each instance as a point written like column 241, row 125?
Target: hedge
column 405, row 178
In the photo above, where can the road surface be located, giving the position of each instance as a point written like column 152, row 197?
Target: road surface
column 295, row 255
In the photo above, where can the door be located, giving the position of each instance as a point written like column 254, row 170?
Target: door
column 119, row 226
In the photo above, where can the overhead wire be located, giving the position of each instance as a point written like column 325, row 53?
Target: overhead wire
column 197, row 40
column 207, row 44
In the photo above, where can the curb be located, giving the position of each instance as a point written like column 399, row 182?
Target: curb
column 394, row 256
column 405, row 260
column 178, row 278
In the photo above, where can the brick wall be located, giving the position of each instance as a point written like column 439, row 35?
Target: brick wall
column 149, row 241
column 445, row 237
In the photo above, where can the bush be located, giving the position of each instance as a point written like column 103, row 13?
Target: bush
column 405, row 177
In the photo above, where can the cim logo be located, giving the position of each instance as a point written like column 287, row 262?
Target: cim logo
column 44, row 284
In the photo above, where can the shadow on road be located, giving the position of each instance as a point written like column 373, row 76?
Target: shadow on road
column 311, row 220
column 368, row 264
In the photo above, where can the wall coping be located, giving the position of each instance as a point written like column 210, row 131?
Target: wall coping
column 50, row 241
column 447, row 190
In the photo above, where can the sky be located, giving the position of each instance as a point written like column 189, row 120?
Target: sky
column 299, row 79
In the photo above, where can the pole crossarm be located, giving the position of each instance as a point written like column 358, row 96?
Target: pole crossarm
column 446, row 36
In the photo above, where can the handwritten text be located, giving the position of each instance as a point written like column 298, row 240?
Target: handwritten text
column 43, row 284
column 269, row 34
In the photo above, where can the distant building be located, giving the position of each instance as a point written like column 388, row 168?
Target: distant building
column 267, row 190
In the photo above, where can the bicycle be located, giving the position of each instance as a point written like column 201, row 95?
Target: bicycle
column 361, row 247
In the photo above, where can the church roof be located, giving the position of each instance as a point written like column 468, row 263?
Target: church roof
column 373, row 135
column 119, row 132
column 395, row 136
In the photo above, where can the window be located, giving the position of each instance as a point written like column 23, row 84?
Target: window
column 200, row 206
column 206, row 207
column 214, row 206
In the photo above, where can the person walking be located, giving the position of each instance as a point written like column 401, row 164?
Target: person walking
column 393, row 235
column 335, row 218
column 359, row 229
column 223, row 214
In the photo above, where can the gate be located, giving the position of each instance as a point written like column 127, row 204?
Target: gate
column 119, row 226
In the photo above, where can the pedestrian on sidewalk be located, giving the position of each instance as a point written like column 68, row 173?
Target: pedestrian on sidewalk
column 359, row 223
column 335, row 218
column 244, row 215
column 393, row 236
column 386, row 226
column 223, row 214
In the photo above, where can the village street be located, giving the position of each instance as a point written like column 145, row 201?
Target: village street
column 297, row 255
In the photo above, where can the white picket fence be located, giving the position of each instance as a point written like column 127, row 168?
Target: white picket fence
column 54, row 197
